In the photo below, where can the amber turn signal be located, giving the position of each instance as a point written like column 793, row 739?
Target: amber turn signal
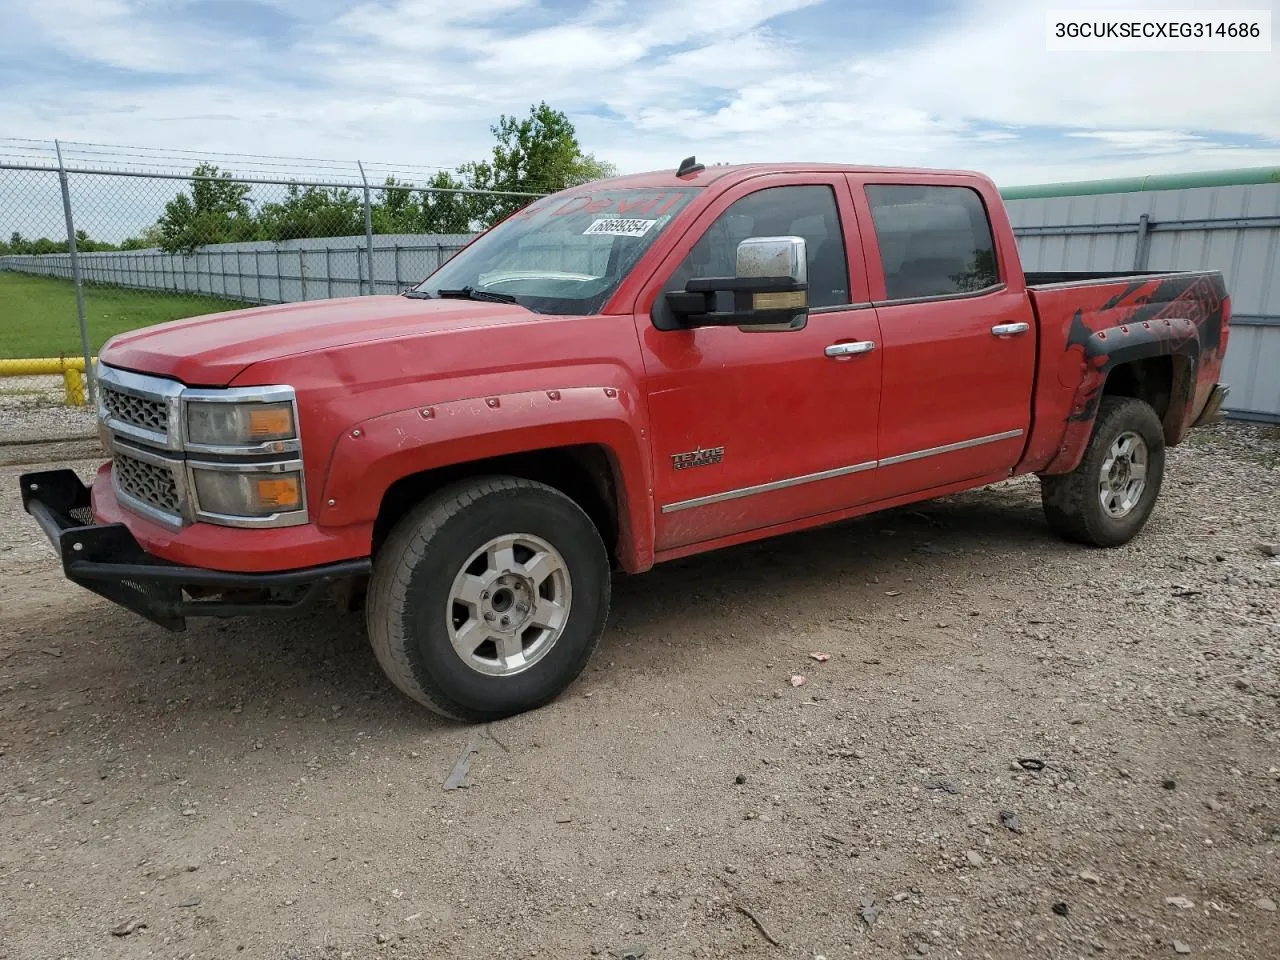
column 786, row 300
column 279, row 493
column 271, row 421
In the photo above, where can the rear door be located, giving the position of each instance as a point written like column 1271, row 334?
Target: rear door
column 755, row 427
column 957, row 328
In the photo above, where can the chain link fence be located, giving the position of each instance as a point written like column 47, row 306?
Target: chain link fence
column 88, row 251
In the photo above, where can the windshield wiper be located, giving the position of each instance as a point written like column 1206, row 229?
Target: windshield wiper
column 471, row 293
column 417, row 295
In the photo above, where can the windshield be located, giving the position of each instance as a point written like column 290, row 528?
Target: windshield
column 566, row 253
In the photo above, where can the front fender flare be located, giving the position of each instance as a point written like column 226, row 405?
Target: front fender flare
column 372, row 455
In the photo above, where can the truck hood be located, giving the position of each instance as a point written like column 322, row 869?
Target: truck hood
column 209, row 351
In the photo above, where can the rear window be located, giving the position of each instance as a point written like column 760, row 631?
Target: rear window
column 934, row 241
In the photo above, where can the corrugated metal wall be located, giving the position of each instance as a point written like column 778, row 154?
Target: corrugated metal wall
column 1235, row 229
column 261, row 271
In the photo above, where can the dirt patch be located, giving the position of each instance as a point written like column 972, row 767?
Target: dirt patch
column 1017, row 748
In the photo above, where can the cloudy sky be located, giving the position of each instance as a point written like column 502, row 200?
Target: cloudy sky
column 963, row 83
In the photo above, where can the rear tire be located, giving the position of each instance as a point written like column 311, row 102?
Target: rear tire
column 1108, row 497
column 488, row 598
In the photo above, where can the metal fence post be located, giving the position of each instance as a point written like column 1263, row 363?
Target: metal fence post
column 75, row 276
column 368, row 227
column 1143, row 247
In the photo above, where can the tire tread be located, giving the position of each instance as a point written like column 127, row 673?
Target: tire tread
column 1067, row 497
column 389, row 585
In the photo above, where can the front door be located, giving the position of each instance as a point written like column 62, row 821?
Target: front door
column 757, row 427
column 958, row 331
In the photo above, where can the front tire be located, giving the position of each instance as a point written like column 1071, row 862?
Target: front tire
column 1108, row 497
column 488, row 598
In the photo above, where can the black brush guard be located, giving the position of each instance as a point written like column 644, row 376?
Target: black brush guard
column 105, row 558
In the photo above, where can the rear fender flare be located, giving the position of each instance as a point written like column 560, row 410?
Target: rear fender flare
column 370, row 456
column 1101, row 352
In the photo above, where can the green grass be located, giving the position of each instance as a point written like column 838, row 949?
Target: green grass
column 38, row 314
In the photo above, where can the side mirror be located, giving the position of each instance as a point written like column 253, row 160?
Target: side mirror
column 770, row 289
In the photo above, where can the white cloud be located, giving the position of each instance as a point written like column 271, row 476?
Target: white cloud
column 420, row 81
column 123, row 34
column 423, row 26
column 991, row 63
column 1144, row 141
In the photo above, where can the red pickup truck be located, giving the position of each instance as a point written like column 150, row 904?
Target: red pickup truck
column 623, row 373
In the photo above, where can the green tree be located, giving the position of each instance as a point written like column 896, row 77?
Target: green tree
column 398, row 210
column 435, row 208
column 444, row 211
column 215, row 211
column 539, row 154
column 312, row 212
column 85, row 244
column 18, row 244
column 150, row 239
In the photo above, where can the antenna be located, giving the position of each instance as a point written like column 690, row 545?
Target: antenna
column 689, row 166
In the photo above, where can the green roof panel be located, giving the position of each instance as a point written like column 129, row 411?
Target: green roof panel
column 1168, row 181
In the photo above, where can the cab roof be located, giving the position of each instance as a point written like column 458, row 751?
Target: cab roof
column 735, row 172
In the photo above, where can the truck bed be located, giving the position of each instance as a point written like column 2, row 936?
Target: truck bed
column 1053, row 278
column 1089, row 323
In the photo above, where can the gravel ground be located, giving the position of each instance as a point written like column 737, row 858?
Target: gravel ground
column 33, row 409
column 1018, row 748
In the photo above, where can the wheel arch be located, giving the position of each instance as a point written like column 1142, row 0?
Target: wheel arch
column 1155, row 362
column 587, row 442
column 584, row 473
column 1166, row 382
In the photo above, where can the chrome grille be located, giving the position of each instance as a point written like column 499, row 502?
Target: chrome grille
column 141, row 412
column 153, row 485
column 142, row 424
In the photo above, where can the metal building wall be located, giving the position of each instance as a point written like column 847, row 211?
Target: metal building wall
column 260, row 271
column 1235, row 229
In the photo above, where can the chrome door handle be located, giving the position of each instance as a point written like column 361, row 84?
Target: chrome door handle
column 850, row 349
column 1010, row 329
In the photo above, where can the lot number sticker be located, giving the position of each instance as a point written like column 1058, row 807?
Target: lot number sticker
column 619, row 228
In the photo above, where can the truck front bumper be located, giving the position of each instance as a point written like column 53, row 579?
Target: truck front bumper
column 105, row 558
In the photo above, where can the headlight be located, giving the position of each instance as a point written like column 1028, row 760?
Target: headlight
column 247, row 493
column 239, row 424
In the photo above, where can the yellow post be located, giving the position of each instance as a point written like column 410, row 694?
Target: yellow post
column 73, row 380
column 71, row 369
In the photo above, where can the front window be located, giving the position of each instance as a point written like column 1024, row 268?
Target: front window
column 564, row 254
column 804, row 210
